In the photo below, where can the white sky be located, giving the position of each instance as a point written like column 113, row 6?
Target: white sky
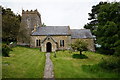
column 56, row 12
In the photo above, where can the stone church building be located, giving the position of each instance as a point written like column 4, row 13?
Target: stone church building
column 49, row 38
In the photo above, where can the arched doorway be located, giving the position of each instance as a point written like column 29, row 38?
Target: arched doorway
column 48, row 47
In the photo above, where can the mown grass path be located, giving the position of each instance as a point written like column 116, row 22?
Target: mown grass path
column 48, row 71
column 23, row 63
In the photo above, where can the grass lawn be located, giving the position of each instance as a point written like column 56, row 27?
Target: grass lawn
column 23, row 63
column 68, row 65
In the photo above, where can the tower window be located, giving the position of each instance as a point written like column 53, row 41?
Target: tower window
column 61, row 43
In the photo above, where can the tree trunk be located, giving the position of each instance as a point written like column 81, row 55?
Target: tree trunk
column 80, row 52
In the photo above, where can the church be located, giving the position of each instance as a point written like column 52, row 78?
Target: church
column 49, row 38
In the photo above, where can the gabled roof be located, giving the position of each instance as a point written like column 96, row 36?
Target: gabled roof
column 62, row 30
column 52, row 30
column 49, row 37
column 81, row 33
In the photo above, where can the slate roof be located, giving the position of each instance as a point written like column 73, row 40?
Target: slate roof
column 52, row 30
column 62, row 30
column 81, row 33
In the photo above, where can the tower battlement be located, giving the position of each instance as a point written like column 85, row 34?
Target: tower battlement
column 31, row 12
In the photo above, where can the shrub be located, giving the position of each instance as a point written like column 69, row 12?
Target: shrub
column 104, row 51
column 5, row 50
column 77, row 56
column 117, row 51
column 91, row 68
column 112, row 64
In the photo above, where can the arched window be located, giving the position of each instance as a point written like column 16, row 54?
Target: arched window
column 38, row 42
column 62, row 43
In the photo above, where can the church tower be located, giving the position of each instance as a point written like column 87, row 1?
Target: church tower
column 29, row 21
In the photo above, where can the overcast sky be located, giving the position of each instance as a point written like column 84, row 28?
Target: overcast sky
column 56, row 12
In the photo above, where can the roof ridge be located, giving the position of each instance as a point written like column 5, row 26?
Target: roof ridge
column 79, row 29
column 56, row 26
column 53, row 30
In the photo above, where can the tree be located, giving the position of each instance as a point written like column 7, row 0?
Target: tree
column 79, row 46
column 24, row 34
column 10, row 25
column 93, row 24
column 107, row 26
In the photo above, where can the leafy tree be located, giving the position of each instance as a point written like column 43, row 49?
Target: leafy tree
column 79, row 45
column 24, row 34
column 93, row 17
column 10, row 25
column 107, row 26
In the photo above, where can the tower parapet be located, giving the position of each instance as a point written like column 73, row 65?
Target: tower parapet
column 31, row 12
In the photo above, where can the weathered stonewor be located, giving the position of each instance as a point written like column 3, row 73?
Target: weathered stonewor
column 29, row 20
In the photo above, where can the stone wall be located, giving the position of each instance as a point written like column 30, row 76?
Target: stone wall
column 67, row 41
column 30, row 19
column 90, row 43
